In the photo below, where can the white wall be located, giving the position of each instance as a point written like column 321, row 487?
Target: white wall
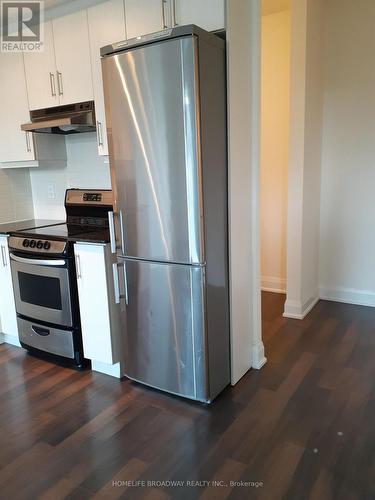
column 85, row 169
column 15, row 195
column 347, row 243
column 274, row 148
column 243, row 56
column 304, row 172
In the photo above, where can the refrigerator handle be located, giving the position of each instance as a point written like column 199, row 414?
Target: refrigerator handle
column 126, row 285
column 122, row 232
column 112, row 234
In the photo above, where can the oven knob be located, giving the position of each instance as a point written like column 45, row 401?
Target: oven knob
column 32, row 243
column 39, row 245
column 47, row 245
column 25, row 243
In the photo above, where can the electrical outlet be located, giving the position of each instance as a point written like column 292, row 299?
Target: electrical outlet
column 51, row 192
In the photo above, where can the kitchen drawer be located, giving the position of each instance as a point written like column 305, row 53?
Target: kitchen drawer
column 51, row 340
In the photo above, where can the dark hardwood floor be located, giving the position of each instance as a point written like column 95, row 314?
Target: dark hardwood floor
column 303, row 426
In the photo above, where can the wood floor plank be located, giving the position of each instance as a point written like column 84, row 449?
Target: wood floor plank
column 303, row 426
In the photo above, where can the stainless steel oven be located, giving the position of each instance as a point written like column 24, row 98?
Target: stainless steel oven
column 42, row 288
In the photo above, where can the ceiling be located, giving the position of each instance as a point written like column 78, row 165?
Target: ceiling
column 268, row 6
column 272, row 6
column 49, row 4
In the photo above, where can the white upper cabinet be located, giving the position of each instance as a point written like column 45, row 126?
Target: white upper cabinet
column 61, row 74
column 146, row 16
column 15, row 145
column 40, row 68
column 73, row 64
column 106, row 25
column 207, row 14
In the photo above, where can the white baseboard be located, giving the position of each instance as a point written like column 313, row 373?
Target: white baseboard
column 112, row 370
column 348, row 295
column 9, row 339
column 273, row 284
column 258, row 356
column 296, row 310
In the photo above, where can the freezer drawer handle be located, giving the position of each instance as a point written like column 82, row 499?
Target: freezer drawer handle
column 116, row 283
column 126, row 285
column 43, row 332
column 122, row 231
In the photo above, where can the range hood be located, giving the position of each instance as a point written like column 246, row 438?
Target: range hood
column 67, row 119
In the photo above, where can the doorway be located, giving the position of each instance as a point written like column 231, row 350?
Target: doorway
column 275, row 80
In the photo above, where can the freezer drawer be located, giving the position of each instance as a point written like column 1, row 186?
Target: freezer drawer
column 151, row 107
column 52, row 340
column 164, row 327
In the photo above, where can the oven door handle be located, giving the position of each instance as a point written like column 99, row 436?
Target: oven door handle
column 39, row 262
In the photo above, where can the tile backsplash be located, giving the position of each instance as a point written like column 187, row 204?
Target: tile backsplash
column 85, row 169
column 15, row 195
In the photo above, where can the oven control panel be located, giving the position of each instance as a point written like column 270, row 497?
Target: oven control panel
column 37, row 246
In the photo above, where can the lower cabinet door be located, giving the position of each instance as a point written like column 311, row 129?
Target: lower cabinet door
column 100, row 317
column 8, row 315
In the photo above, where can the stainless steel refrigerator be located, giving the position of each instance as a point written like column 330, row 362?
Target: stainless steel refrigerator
column 165, row 98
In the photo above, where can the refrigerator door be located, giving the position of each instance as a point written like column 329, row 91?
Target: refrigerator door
column 152, row 120
column 164, row 327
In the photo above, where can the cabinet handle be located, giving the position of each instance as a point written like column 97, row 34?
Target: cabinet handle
column 78, row 267
column 3, row 256
column 163, row 2
column 175, row 23
column 116, row 283
column 99, row 132
column 52, row 83
column 60, row 83
column 28, row 145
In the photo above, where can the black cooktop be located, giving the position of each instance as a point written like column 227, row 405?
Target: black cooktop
column 70, row 232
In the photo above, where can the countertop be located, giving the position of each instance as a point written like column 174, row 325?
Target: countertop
column 22, row 225
column 97, row 236
column 69, row 232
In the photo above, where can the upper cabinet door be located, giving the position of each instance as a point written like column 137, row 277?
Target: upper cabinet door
column 106, row 25
column 40, row 68
column 15, row 145
column 72, row 49
column 207, row 14
column 146, row 16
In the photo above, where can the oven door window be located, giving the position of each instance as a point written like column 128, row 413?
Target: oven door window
column 41, row 291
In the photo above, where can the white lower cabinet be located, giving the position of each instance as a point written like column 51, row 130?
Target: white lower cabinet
column 100, row 315
column 8, row 314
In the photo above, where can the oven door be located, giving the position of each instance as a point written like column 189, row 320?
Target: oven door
column 42, row 289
